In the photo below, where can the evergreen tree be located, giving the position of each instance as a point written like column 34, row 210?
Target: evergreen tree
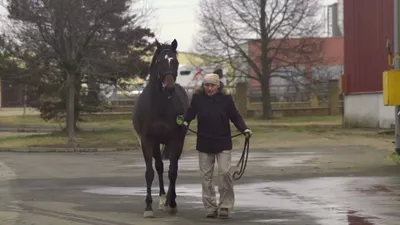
column 91, row 41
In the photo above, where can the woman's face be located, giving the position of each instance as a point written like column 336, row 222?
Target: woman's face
column 210, row 89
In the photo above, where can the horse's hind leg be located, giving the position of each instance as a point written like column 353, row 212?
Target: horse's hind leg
column 165, row 152
column 160, row 172
column 147, row 149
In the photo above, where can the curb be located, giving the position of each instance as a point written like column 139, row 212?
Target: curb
column 28, row 129
column 66, row 150
column 41, row 129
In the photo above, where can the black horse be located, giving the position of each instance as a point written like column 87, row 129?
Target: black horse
column 155, row 122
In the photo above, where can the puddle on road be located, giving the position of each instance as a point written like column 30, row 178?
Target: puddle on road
column 269, row 221
column 333, row 200
column 282, row 159
column 300, row 160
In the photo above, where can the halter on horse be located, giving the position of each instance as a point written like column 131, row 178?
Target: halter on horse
column 154, row 120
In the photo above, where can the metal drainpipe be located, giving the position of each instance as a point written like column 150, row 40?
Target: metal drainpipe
column 397, row 67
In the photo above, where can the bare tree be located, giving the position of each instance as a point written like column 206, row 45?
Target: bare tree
column 282, row 31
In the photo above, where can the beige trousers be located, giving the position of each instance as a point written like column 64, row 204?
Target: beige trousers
column 225, row 185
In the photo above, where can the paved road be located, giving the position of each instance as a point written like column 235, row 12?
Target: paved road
column 328, row 186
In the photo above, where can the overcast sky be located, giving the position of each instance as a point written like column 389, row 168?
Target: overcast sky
column 175, row 19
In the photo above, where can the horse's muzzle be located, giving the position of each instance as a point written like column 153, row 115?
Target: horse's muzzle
column 169, row 89
column 169, row 83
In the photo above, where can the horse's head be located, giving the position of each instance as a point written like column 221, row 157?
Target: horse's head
column 165, row 65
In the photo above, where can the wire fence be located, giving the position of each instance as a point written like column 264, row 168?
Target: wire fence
column 288, row 93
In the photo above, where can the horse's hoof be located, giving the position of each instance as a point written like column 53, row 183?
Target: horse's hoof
column 172, row 211
column 163, row 200
column 148, row 214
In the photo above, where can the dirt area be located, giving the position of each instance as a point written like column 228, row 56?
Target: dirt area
column 281, row 138
column 286, row 133
column 333, row 150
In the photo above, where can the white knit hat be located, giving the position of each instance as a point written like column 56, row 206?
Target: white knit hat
column 211, row 78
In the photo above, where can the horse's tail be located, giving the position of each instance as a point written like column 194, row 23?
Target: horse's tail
column 165, row 153
column 137, row 137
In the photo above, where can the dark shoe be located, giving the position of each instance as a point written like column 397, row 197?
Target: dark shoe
column 212, row 214
column 223, row 213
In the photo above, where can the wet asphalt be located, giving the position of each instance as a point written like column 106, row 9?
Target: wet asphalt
column 324, row 186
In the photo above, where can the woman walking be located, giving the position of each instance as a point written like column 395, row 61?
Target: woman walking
column 214, row 107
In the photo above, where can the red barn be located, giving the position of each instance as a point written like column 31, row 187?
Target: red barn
column 367, row 26
column 330, row 55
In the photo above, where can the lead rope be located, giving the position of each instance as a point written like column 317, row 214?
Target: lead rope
column 243, row 159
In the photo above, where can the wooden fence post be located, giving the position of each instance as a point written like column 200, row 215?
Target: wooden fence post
column 333, row 97
column 313, row 100
column 241, row 98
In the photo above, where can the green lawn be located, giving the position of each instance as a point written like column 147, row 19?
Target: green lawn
column 124, row 122
column 117, row 132
column 108, row 138
column 91, row 122
column 395, row 158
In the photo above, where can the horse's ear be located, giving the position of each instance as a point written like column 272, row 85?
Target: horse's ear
column 158, row 44
column 174, row 45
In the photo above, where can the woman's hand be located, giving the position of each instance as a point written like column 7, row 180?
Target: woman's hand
column 248, row 133
column 180, row 121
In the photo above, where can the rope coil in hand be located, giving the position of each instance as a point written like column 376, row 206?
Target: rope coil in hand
column 245, row 153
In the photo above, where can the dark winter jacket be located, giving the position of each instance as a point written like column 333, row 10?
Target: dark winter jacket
column 213, row 115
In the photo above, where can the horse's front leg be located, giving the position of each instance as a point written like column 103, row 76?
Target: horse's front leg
column 147, row 150
column 175, row 153
column 160, row 172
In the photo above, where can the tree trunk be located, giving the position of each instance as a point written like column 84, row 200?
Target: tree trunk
column 71, row 121
column 266, row 99
column 73, row 108
column 78, row 88
column 78, row 108
column 265, row 64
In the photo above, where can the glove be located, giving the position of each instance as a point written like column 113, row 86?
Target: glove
column 248, row 132
column 180, row 121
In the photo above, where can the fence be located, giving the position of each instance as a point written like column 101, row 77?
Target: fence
column 305, row 101
column 286, row 101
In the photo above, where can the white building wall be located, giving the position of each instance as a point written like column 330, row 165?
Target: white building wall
column 367, row 110
column 340, row 15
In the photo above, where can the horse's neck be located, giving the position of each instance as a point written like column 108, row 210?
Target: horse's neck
column 159, row 101
column 163, row 106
